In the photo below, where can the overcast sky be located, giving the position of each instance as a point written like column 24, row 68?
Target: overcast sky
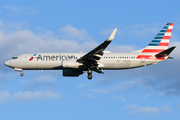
column 151, row 92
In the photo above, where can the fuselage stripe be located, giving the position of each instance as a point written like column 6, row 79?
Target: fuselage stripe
column 152, row 50
column 149, row 57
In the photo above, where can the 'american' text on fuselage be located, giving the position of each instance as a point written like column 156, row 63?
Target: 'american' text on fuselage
column 55, row 57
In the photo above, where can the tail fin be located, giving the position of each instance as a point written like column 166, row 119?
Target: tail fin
column 161, row 41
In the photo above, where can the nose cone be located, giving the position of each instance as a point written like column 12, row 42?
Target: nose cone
column 7, row 63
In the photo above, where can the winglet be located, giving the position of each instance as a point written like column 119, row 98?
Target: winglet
column 111, row 37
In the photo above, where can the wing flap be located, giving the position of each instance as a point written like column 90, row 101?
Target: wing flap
column 97, row 55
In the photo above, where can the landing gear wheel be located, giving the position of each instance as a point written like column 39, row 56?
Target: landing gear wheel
column 89, row 72
column 21, row 74
column 89, row 77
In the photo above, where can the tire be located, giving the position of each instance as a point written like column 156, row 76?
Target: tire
column 21, row 74
column 89, row 72
column 89, row 77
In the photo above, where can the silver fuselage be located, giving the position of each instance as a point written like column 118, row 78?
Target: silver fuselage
column 49, row 61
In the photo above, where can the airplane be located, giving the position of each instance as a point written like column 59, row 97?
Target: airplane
column 97, row 60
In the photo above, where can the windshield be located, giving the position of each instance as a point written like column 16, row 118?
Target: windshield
column 14, row 57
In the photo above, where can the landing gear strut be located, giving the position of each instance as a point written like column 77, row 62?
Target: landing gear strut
column 20, row 70
column 21, row 74
column 89, row 72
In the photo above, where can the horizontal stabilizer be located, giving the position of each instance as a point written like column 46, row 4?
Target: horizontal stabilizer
column 170, row 58
column 165, row 52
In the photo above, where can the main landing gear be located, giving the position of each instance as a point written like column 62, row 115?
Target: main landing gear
column 89, row 72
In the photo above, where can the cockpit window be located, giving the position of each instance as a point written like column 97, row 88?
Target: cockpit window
column 14, row 57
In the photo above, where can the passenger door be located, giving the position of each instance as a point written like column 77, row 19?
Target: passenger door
column 25, row 59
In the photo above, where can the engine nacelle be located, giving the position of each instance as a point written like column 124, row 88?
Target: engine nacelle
column 71, row 73
column 70, row 64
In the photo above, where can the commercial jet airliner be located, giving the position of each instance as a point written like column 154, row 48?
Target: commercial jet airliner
column 97, row 60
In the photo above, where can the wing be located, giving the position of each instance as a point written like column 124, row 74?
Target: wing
column 96, row 54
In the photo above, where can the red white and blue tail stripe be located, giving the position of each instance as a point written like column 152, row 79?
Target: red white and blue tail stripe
column 161, row 41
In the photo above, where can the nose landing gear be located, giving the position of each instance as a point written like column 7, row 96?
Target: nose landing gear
column 20, row 70
column 21, row 74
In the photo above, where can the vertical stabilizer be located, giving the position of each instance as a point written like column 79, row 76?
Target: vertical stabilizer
column 161, row 41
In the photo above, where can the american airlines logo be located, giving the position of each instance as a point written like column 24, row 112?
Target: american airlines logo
column 53, row 57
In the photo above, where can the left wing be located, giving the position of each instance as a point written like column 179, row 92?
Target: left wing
column 96, row 54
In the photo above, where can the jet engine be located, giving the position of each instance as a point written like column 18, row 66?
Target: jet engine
column 70, row 64
column 72, row 73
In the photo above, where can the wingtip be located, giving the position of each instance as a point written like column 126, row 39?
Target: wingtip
column 111, row 37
